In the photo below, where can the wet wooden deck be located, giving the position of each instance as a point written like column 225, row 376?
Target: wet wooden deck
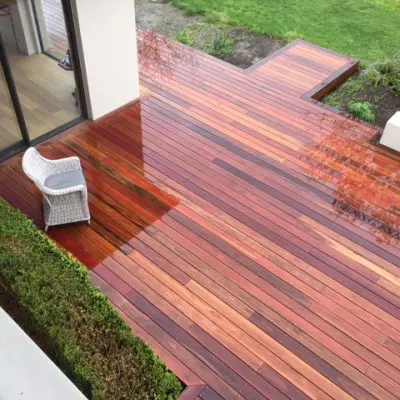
column 247, row 234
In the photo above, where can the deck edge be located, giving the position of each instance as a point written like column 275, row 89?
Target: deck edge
column 192, row 392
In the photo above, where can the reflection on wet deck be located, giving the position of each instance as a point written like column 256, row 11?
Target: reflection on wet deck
column 122, row 201
column 365, row 182
column 248, row 235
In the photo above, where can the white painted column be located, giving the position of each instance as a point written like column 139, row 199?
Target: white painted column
column 41, row 24
column 107, row 43
column 23, row 28
column 391, row 134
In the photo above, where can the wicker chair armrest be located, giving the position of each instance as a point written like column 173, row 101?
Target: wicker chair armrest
column 60, row 192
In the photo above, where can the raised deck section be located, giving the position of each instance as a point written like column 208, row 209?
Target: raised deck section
column 247, row 234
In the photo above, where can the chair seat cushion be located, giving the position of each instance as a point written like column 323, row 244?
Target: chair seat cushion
column 65, row 180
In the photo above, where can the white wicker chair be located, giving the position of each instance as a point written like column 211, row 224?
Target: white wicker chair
column 63, row 186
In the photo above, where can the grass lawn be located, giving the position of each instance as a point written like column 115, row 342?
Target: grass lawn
column 364, row 29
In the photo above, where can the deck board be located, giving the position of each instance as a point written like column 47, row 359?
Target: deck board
column 249, row 235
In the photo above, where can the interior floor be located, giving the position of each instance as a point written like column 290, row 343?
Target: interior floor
column 10, row 132
column 45, row 92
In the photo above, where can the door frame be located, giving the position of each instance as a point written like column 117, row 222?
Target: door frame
column 25, row 139
column 12, row 90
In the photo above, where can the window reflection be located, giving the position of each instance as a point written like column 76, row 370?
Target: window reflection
column 36, row 41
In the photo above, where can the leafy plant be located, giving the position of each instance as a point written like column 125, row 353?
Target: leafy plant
column 97, row 350
column 346, row 92
column 372, row 76
column 221, row 47
column 360, row 94
column 184, row 37
column 361, row 110
column 386, row 72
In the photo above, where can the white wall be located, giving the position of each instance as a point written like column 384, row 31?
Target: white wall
column 7, row 31
column 18, row 28
column 41, row 24
column 107, row 41
column 25, row 371
column 391, row 134
column 24, row 27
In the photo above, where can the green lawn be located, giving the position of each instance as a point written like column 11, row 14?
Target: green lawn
column 368, row 30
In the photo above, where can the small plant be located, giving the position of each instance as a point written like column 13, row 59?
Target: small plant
column 386, row 73
column 221, row 47
column 373, row 76
column 184, row 37
column 348, row 91
column 361, row 110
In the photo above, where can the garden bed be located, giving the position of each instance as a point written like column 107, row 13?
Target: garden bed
column 235, row 45
column 50, row 296
column 373, row 95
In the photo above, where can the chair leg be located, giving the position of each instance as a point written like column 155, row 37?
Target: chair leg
column 46, row 228
column 88, row 221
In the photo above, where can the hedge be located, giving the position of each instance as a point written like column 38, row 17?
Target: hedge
column 89, row 340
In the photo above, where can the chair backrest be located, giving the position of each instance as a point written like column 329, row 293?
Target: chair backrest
column 35, row 167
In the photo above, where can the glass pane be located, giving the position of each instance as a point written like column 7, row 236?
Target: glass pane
column 55, row 31
column 45, row 85
column 9, row 133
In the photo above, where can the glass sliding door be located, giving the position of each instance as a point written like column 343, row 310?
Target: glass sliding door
column 11, row 136
column 46, row 91
column 44, row 77
column 40, row 57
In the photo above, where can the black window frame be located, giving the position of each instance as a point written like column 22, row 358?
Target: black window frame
column 26, row 141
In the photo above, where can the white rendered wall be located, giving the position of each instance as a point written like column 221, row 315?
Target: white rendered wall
column 391, row 134
column 24, row 27
column 18, row 28
column 107, row 39
column 26, row 373
column 7, row 31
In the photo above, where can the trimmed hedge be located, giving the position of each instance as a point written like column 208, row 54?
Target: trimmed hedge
column 96, row 348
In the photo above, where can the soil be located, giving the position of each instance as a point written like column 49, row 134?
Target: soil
column 250, row 49
column 164, row 18
column 384, row 102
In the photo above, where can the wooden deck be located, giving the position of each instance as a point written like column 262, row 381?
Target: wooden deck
column 247, row 234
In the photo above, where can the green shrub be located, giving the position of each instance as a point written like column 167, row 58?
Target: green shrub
column 184, row 37
column 361, row 110
column 372, row 76
column 221, row 47
column 97, row 349
column 386, row 72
